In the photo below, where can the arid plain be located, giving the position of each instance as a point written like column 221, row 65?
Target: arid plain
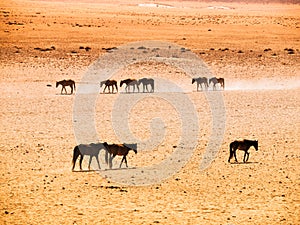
column 255, row 47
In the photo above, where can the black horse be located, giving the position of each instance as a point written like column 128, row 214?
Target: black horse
column 243, row 145
column 130, row 82
column 91, row 149
column 109, row 83
column 65, row 83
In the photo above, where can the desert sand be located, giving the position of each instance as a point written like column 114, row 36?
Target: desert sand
column 255, row 47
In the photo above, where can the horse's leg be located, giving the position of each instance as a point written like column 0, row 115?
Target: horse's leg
column 116, row 87
column 126, row 161
column 110, row 160
column 80, row 161
column 122, row 161
column 246, row 156
column 230, row 154
column 97, row 158
column 147, row 88
column 234, row 153
column 71, row 89
column 104, row 88
column 91, row 157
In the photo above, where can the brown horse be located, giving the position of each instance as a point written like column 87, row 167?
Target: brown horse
column 118, row 149
column 130, row 82
column 216, row 80
column 200, row 81
column 109, row 83
column 243, row 145
column 65, row 83
column 81, row 150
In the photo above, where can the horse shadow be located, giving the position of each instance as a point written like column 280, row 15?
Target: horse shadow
column 127, row 168
column 86, row 171
column 244, row 163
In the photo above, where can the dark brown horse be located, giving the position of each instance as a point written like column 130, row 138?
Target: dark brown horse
column 81, row 150
column 113, row 150
column 200, row 81
column 109, row 83
column 65, row 83
column 243, row 145
column 216, row 80
column 130, row 82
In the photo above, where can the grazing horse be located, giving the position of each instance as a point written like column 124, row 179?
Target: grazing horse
column 92, row 150
column 145, row 82
column 200, row 81
column 65, row 83
column 109, row 83
column 118, row 149
column 215, row 81
column 130, row 82
column 243, row 145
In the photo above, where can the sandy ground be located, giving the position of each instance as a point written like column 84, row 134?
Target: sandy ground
column 254, row 47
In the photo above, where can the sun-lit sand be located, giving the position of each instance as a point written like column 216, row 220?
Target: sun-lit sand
column 255, row 47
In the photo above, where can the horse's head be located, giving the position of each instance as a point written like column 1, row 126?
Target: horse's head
column 57, row 83
column 121, row 83
column 193, row 80
column 256, row 145
column 132, row 147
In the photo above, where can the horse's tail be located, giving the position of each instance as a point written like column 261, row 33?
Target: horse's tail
column 230, row 151
column 106, row 156
column 75, row 155
column 153, row 86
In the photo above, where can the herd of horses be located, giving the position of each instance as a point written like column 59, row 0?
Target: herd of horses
column 113, row 150
column 148, row 84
